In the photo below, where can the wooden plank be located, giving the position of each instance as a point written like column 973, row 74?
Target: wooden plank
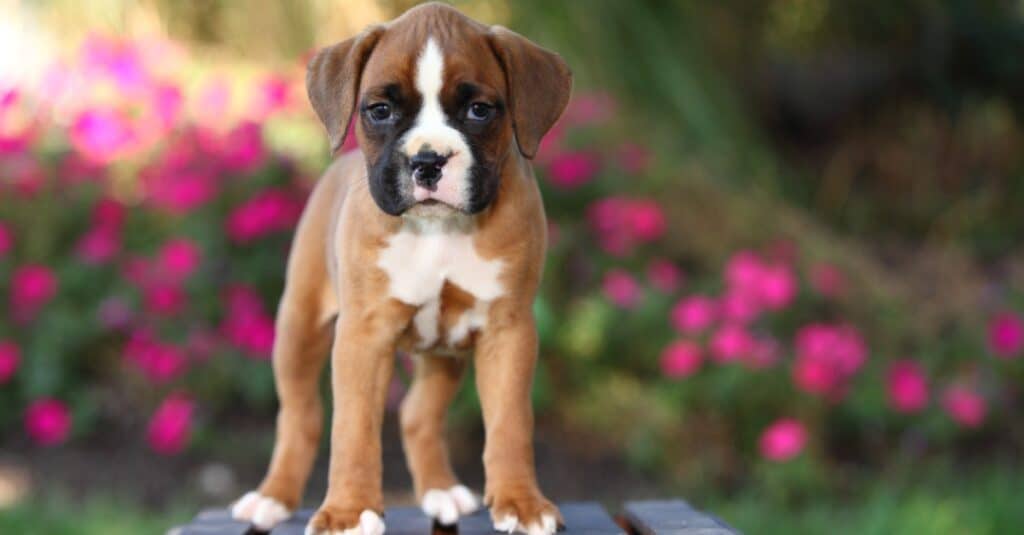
column 580, row 519
column 215, row 522
column 399, row 521
column 673, row 517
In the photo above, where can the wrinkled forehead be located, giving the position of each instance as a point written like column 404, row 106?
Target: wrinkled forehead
column 466, row 57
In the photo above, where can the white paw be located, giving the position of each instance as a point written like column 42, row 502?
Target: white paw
column 446, row 506
column 261, row 511
column 370, row 523
column 548, row 525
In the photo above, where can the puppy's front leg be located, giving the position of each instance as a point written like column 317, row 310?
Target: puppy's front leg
column 362, row 362
column 506, row 355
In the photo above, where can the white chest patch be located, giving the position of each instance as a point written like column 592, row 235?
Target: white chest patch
column 425, row 254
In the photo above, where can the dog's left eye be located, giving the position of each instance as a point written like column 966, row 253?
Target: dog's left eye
column 479, row 111
column 380, row 113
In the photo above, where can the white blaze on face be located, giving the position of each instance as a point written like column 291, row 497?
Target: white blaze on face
column 432, row 131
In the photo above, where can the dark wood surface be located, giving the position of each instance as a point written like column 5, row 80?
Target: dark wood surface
column 668, row 517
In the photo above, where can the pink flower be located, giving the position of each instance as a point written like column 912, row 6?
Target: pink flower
column 730, row 343
column 108, row 213
column 102, row 135
column 828, row 280
column 621, row 288
column 179, row 258
column 743, row 272
column 242, row 149
column 646, row 220
column 827, row 357
column 273, row 94
column 32, row 286
column 99, row 245
column 178, row 191
column 6, row 240
column 213, row 101
column 589, row 109
column 48, row 421
column 664, row 275
column 783, row 440
column 271, row 210
column 777, row 287
column 680, row 359
column 159, row 362
column 1006, row 335
column 907, row 386
column 247, row 325
column 739, row 307
column 166, row 102
column 570, row 170
column 965, row 406
column 10, row 359
column 164, row 299
column 171, row 425
column 694, row 314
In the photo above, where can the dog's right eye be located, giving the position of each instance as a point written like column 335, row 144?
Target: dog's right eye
column 380, row 113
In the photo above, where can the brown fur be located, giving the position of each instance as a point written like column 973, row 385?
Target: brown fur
column 334, row 287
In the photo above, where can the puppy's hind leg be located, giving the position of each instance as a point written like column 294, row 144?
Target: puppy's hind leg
column 302, row 339
column 435, row 384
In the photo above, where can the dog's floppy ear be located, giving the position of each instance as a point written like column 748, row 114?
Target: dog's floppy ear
column 539, row 83
column 332, row 81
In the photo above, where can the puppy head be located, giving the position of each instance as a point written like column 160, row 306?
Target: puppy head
column 439, row 102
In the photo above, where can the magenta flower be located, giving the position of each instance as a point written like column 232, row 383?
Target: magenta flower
column 646, row 220
column 906, row 386
column 179, row 191
column 965, row 406
column 570, row 170
column 271, row 210
column 739, row 307
column 6, row 240
column 163, row 299
column 777, row 287
column 827, row 357
column 179, row 258
column 32, row 286
column 99, row 245
column 167, row 103
column 10, row 359
column 743, row 272
column 828, row 280
column 681, row 359
column 170, row 427
column 242, row 149
column 783, row 440
column 694, row 314
column 48, row 421
column 108, row 213
column 731, row 343
column 664, row 275
column 1006, row 335
column 102, row 135
column 621, row 288
column 247, row 325
column 589, row 109
column 158, row 361
column 273, row 94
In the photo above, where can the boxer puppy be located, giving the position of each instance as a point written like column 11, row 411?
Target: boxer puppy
column 430, row 240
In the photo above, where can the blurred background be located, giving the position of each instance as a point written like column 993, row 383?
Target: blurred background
column 785, row 278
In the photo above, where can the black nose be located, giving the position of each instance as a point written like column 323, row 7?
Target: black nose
column 426, row 168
